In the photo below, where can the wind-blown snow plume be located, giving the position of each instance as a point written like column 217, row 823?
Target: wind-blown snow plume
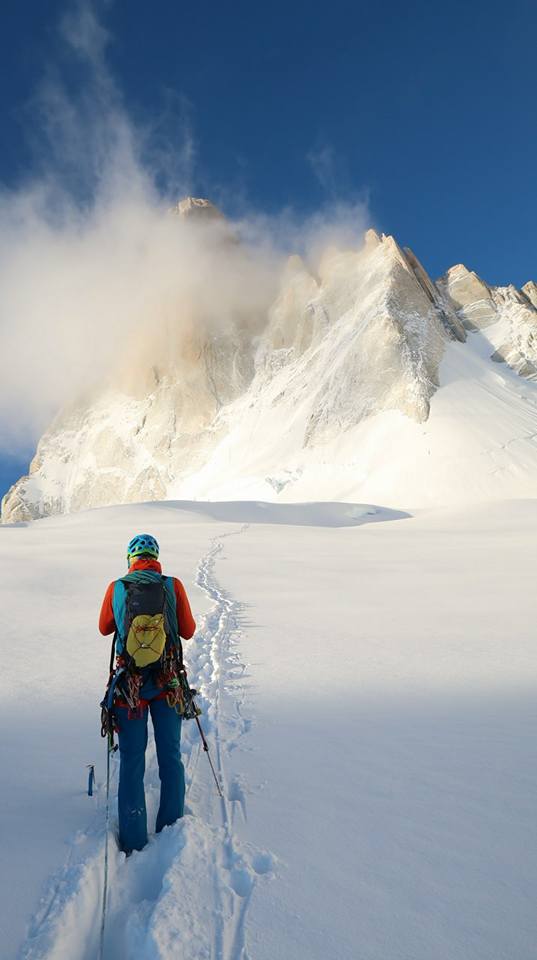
column 91, row 261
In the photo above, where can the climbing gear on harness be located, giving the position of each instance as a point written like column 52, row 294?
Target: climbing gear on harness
column 173, row 678
column 143, row 543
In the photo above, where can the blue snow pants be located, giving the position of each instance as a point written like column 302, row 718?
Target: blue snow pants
column 131, row 796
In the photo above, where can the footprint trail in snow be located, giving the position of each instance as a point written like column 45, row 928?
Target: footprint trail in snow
column 188, row 892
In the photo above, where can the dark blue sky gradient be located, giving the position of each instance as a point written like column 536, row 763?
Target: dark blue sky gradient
column 429, row 108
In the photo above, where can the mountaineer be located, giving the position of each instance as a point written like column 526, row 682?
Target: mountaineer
column 148, row 613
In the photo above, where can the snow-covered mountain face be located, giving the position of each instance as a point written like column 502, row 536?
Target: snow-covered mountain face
column 364, row 380
column 512, row 311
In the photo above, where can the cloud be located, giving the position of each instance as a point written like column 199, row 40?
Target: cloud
column 323, row 164
column 83, row 32
column 92, row 263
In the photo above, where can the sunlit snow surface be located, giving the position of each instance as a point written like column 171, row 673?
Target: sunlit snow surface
column 369, row 695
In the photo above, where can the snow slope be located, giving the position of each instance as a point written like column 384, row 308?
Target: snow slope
column 369, row 693
column 479, row 443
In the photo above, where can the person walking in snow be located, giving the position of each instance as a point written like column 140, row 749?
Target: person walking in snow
column 148, row 614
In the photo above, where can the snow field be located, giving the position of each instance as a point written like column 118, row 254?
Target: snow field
column 396, row 723
column 369, row 700
column 189, row 890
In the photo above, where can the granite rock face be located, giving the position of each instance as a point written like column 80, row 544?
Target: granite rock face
column 469, row 296
column 530, row 291
column 507, row 315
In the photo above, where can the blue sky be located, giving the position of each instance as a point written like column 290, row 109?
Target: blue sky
column 428, row 109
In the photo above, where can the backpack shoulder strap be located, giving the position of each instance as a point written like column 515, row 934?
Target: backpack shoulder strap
column 171, row 616
column 119, row 607
column 113, row 653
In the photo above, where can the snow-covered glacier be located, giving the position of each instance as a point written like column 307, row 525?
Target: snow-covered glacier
column 365, row 380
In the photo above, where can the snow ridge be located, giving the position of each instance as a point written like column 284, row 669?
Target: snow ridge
column 189, row 891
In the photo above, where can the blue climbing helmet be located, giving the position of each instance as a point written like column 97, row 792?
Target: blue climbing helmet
column 143, row 543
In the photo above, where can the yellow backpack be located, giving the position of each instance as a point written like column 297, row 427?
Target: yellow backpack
column 146, row 639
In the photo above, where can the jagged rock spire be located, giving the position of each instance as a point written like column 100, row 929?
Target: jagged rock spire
column 197, row 208
column 530, row 290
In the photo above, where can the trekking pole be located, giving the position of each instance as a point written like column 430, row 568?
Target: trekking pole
column 109, row 750
column 206, row 749
column 193, row 713
column 107, row 730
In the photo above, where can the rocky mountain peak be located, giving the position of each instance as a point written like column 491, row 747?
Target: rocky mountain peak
column 198, row 209
column 469, row 296
column 371, row 238
column 530, row 290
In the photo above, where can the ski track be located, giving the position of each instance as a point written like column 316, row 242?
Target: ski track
column 189, row 891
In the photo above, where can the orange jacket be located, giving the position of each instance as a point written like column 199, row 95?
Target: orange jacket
column 186, row 624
